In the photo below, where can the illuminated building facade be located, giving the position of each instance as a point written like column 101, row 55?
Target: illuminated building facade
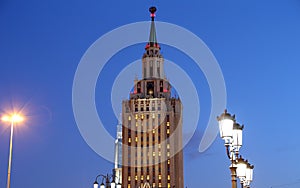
column 152, row 126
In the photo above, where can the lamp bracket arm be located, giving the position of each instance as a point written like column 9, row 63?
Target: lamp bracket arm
column 227, row 151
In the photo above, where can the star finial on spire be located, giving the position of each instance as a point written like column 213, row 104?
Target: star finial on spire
column 152, row 10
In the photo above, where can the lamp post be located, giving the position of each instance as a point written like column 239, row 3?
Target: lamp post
column 108, row 183
column 13, row 119
column 226, row 125
column 232, row 134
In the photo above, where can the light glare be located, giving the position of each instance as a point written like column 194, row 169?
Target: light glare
column 13, row 118
column 5, row 118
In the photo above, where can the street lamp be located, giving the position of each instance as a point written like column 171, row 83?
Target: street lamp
column 249, row 175
column 241, row 170
column 226, row 126
column 13, row 119
column 237, row 137
column 244, row 172
column 108, row 183
column 232, row 134
column 226, row 122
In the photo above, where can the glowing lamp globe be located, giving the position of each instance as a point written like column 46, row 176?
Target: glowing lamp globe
column 249, row 172
column 96, row 184
column 226, row 122
column 241, row 168
column 119, row 185
column 113, row 184
column 237, row 136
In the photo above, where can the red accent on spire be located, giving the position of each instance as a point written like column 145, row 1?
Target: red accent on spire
column 147, row 46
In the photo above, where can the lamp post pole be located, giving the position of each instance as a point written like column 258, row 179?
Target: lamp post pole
column 10, row 153
column 233, row 176
column 13, row 119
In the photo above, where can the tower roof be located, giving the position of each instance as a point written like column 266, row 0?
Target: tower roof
column 152, row 38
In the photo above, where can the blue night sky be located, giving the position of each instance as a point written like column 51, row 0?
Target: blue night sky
column 256, row 44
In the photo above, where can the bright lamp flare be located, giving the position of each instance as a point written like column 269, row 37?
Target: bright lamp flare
column 13, row 118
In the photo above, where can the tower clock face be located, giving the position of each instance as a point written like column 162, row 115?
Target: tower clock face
column 150, row 88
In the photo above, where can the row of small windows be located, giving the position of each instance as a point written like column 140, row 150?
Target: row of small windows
column 153, row 185
column 147, row 102
column 147, row 177
column 136, row 109
column 153, row 153
column 148, row 169
column 147, row 138
column 142, row 116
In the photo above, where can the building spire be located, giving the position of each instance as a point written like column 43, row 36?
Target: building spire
column 152, row 38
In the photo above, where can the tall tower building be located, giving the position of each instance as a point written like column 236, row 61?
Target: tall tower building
column 152, row 126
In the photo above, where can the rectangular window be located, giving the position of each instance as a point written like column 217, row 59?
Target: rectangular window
column 139, row 88
column 158, row 71
column 151, row 71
